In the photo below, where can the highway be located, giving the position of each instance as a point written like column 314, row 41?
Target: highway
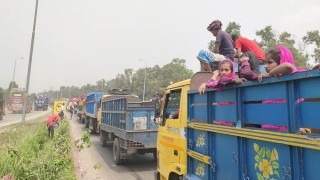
column 10, row 118
column 140, row 167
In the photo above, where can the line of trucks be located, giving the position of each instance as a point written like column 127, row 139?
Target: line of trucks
column 195, row 145
column 16, row 100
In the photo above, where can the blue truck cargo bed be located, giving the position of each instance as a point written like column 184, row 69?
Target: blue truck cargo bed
column 130, row 121
column 93, row 99
column 245, row 150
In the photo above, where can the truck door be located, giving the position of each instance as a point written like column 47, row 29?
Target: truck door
column 170, row 124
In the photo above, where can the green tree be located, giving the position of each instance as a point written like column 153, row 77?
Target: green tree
column 267, row 37
column 12, row 84
column 313, row 37
column 101, row 85
column 158, row 78
column 269, row 40
column 233, row 28
column 211, row 45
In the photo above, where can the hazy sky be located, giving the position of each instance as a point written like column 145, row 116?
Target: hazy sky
column 81, row 41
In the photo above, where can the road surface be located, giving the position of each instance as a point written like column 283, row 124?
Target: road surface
column 141, row 167
column 10, row 118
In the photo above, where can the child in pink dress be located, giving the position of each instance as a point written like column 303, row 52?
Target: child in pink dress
column 225, row 75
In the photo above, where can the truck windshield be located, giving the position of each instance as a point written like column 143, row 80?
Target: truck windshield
column 172, row 105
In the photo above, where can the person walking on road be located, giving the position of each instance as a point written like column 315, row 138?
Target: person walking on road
column 61, row 113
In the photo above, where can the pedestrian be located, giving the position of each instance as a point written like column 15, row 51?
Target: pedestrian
column 71, row 109
column 61, row 113
column 51, row 122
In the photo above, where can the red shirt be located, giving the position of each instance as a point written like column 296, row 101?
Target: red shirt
column 247, row 45
column 52, row 119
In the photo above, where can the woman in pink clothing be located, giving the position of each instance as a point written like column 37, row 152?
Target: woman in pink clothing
column 223, row 76
column 279, row 61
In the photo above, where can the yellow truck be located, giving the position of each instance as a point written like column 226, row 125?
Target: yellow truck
column 172, row 142
column 57, row 106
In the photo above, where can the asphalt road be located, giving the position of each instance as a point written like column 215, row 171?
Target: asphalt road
column 10, row 118
column 141, row 167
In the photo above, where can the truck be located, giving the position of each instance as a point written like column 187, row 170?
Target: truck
column 197, row 146
column 129, row 123
column 81, row 109
column 41, row 103
column 92, row 106
column 2, row 106
column 57, row 106
column 16, row 100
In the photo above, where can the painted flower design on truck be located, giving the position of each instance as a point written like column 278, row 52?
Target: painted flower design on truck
column 200, row 140
column 200, row 169
column 266, row 162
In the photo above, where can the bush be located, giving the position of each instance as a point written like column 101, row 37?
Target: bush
column 32, row 155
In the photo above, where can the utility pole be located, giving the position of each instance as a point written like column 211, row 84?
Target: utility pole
column 144, row 80
column 30, row 62
column 14, row 71
column 102, row 84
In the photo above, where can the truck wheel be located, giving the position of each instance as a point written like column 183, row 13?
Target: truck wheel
column 154, row 155
column 82, row 120
column 175, row 177
column 92, row 125
column 117, row 152
column 103, row 138
column 87, row 121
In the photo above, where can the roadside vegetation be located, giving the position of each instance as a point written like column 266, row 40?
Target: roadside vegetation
column 26, row 152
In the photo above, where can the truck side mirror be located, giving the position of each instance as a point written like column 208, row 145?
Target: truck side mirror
column 157, row 108
column 157, row 111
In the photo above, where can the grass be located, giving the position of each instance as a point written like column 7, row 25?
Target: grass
column 27, row 153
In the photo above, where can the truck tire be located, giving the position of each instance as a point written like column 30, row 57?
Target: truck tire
column 103, row 138
column 117, row 152
column 87, row 121
column 175, row 177
column 93, row 126
column 154, row 155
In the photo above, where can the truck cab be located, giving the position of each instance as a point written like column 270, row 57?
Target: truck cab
column 172, row 142
column 41, row 103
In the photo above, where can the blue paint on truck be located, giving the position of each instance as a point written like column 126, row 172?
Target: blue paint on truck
column 130, row 124
column 244, row 150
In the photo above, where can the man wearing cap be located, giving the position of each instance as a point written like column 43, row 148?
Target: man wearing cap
column 223, row 43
